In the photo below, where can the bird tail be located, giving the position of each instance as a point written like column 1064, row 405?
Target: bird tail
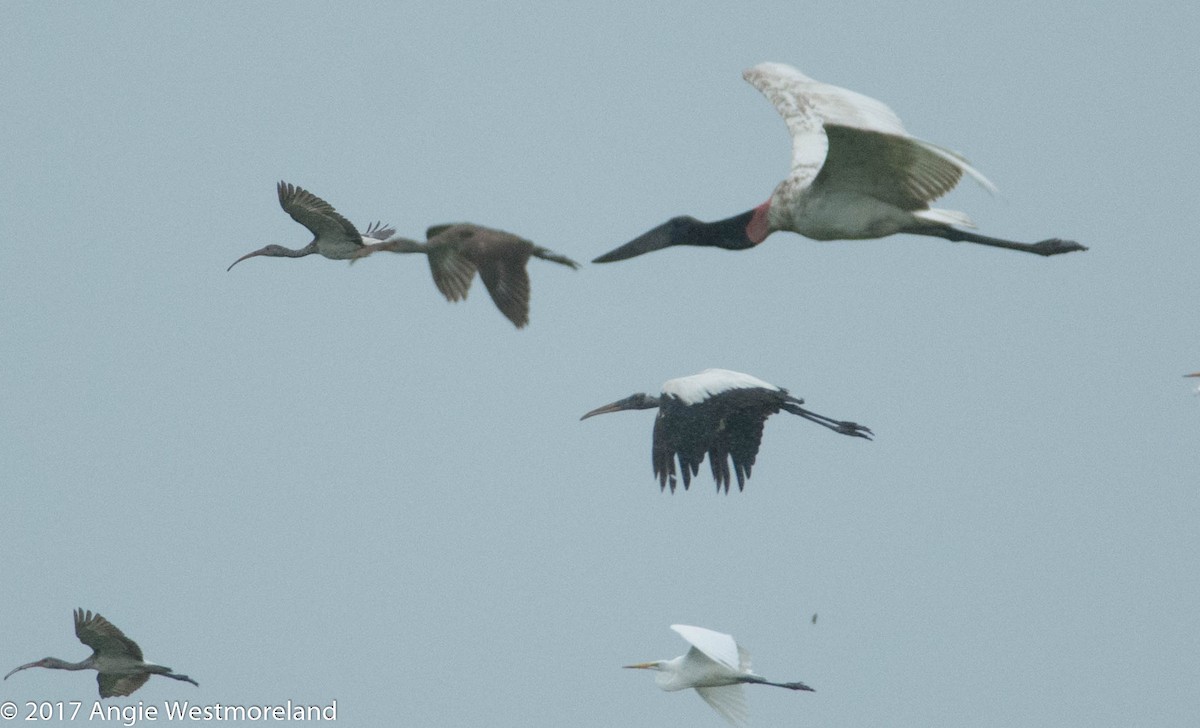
column 945, row 217
column 553, row 257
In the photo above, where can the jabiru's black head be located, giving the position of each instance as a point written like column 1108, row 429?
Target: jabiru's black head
column 731, row 234
column 640, row 400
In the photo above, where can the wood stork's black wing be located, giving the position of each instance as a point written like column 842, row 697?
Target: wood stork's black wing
column 112, row 685
column 681, row 432
column 739, row 433
column 316, row 214
column 102, row 636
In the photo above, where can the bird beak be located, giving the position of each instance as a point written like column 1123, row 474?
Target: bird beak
column 1193, row 374
column 617, row 406
column 239, row 260
column 657, row 239
column 640, row 666
column 22, row 667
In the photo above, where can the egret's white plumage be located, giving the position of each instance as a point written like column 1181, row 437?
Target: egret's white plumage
column 716, row 667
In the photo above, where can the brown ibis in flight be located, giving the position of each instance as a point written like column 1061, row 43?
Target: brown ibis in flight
column 456, row 251
column 116, row 659
column 334, row 236
column 718, row 412
column 856, row 174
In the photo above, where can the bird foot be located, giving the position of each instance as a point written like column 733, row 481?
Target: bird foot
column 1056, row 246
column 854, row 429
column 798, row 686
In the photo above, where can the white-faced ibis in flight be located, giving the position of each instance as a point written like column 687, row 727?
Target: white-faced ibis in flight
column 719, row 413
column 334, row 236
column 116, row 659
column 456, row 251
column 856, row 174
column 717, row 667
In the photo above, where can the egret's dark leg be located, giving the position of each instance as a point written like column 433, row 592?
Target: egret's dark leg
column 1052, row 246
column 790, row 686
column 853, row 429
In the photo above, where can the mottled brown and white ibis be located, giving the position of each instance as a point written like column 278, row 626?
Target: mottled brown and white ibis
column 334, row 236
column 856, row 174
column 719, row 413
column 456, row 251
column 717, row 667
column 116, row 659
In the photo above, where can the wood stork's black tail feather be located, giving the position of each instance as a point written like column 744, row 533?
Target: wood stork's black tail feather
column 853, row 429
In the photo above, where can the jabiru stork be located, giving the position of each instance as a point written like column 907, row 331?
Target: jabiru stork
column 717, row 667
column 117, row 660
column 718, row 412
column 334, row 236
column 856, row 174
column 457, row 250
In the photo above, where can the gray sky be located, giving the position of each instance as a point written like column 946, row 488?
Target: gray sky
column 303, row 480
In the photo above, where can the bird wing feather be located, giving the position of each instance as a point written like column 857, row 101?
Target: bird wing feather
column 317, row 215
column 716, row 646
column 729, row 701
column 848, row 141
column 114, row 685
column 102, row 636
column 452, row 272
column 508, row 283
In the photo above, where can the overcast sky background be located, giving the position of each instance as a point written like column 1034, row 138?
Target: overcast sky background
column 310, row 481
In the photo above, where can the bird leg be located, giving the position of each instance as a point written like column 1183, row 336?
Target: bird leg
column 790, row 685
column 853, row 429
column 1046, row 248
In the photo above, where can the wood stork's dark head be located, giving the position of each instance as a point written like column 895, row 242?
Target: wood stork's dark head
column 641, row 400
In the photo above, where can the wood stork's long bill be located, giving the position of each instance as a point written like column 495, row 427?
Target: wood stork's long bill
column 719, row 414
column 856, row 175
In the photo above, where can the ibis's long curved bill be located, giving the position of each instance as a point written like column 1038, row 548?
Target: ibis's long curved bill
column 22, row 667
column 239, row 260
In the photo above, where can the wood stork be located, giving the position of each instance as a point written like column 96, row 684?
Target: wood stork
column 718, row 412
column 856, row 174
column 717, row 667
column 456, row 251
column 116, row 659
column 334, row 236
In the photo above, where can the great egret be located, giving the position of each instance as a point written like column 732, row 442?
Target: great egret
column 856, row 174
column 717, row 667
column 456, row 251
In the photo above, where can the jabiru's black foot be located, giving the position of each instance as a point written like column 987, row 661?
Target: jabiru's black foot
column 1056, row 246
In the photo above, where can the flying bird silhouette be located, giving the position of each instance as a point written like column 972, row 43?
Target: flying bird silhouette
column 719, row 413
column 856, row 174
column 334, row 236
column 117, row 660
column 456, row 251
